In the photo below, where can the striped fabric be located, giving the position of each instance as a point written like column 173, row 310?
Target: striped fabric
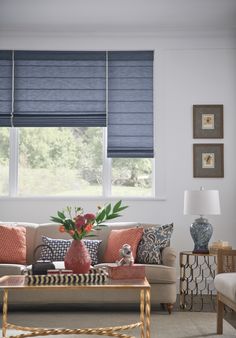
column 5, row 88
column 130, row 104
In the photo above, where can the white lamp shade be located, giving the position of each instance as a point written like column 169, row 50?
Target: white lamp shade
column 201, row 202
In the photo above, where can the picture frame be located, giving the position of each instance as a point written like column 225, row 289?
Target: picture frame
column 208, row 121
column 208, row 160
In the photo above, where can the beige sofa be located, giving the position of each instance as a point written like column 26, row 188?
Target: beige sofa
column 161, row 277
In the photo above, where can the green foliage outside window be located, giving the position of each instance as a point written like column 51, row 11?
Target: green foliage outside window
column 69, row 161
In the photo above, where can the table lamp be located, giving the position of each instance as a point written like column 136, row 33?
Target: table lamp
column 201, row 202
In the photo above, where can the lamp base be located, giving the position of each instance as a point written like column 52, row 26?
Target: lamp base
column 201, row 232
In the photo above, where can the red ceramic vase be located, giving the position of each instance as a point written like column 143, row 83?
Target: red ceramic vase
column 77, row 258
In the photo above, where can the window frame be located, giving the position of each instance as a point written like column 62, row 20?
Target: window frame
column 106, row 175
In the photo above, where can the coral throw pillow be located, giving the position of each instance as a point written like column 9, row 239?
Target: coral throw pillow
column 117, row 239
column 12, row 244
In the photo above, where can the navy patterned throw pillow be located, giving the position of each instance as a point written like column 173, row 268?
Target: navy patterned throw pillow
column 93, row 246
column 152, row 241
column 60, row 247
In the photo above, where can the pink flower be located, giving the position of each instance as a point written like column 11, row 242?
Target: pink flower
column 89, row 217
column 79, row 221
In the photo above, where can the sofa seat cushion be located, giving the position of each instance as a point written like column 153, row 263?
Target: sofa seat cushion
column 225, row 283
column 156, row 274
column 11, row 269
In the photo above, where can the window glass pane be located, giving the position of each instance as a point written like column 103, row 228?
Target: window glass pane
column 4, row 160
column 131, row 177
column 60, row 161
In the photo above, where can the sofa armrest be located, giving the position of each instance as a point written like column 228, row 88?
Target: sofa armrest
column 169, row 256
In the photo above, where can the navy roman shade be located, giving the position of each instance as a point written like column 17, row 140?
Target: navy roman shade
column 74, row 88
column 54, row 89
column 130, row 104
column 5, row 88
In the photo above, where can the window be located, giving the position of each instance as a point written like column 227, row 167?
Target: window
column 60, row 161
column 4, row 160
column 83, row 123
column 68, row 162
column 132, row 177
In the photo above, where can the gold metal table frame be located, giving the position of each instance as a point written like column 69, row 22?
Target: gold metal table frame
column 8, row 283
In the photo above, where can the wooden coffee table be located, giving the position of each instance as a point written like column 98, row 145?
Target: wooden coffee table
column 8, row 283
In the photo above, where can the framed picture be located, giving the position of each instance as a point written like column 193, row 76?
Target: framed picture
column 208, row 160
column 208, row 121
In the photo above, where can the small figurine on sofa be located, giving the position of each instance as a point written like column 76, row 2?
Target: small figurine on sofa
column 126, row 256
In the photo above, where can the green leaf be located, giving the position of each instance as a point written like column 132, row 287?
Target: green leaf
column 101, row 216
column 57, row 220
column 108, row 209
column 76, row 235
column 69, row 222
column 61, row 215
column 123, row 208
column 112, row 216
column 117, row 206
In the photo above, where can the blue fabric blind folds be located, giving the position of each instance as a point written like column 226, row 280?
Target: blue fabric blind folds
column 5, row 88
column 69, row 89
column 59, row 89
column 130, row 104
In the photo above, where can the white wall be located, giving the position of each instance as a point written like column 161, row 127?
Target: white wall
column 188, row 70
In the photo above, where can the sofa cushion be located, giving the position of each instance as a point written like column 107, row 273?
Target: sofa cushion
column 93, row 246
column 12, row 244
column 118, row 238
column 104, row 233
column 52, row 230
column 153, row 240
column 30, row 236
column 225, row 283
column 60, row 247
column 49, row 230
column 11, row 269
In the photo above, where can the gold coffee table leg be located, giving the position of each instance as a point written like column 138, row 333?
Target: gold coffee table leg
column 4, row 313
column 142, row 315
column 148, row 311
